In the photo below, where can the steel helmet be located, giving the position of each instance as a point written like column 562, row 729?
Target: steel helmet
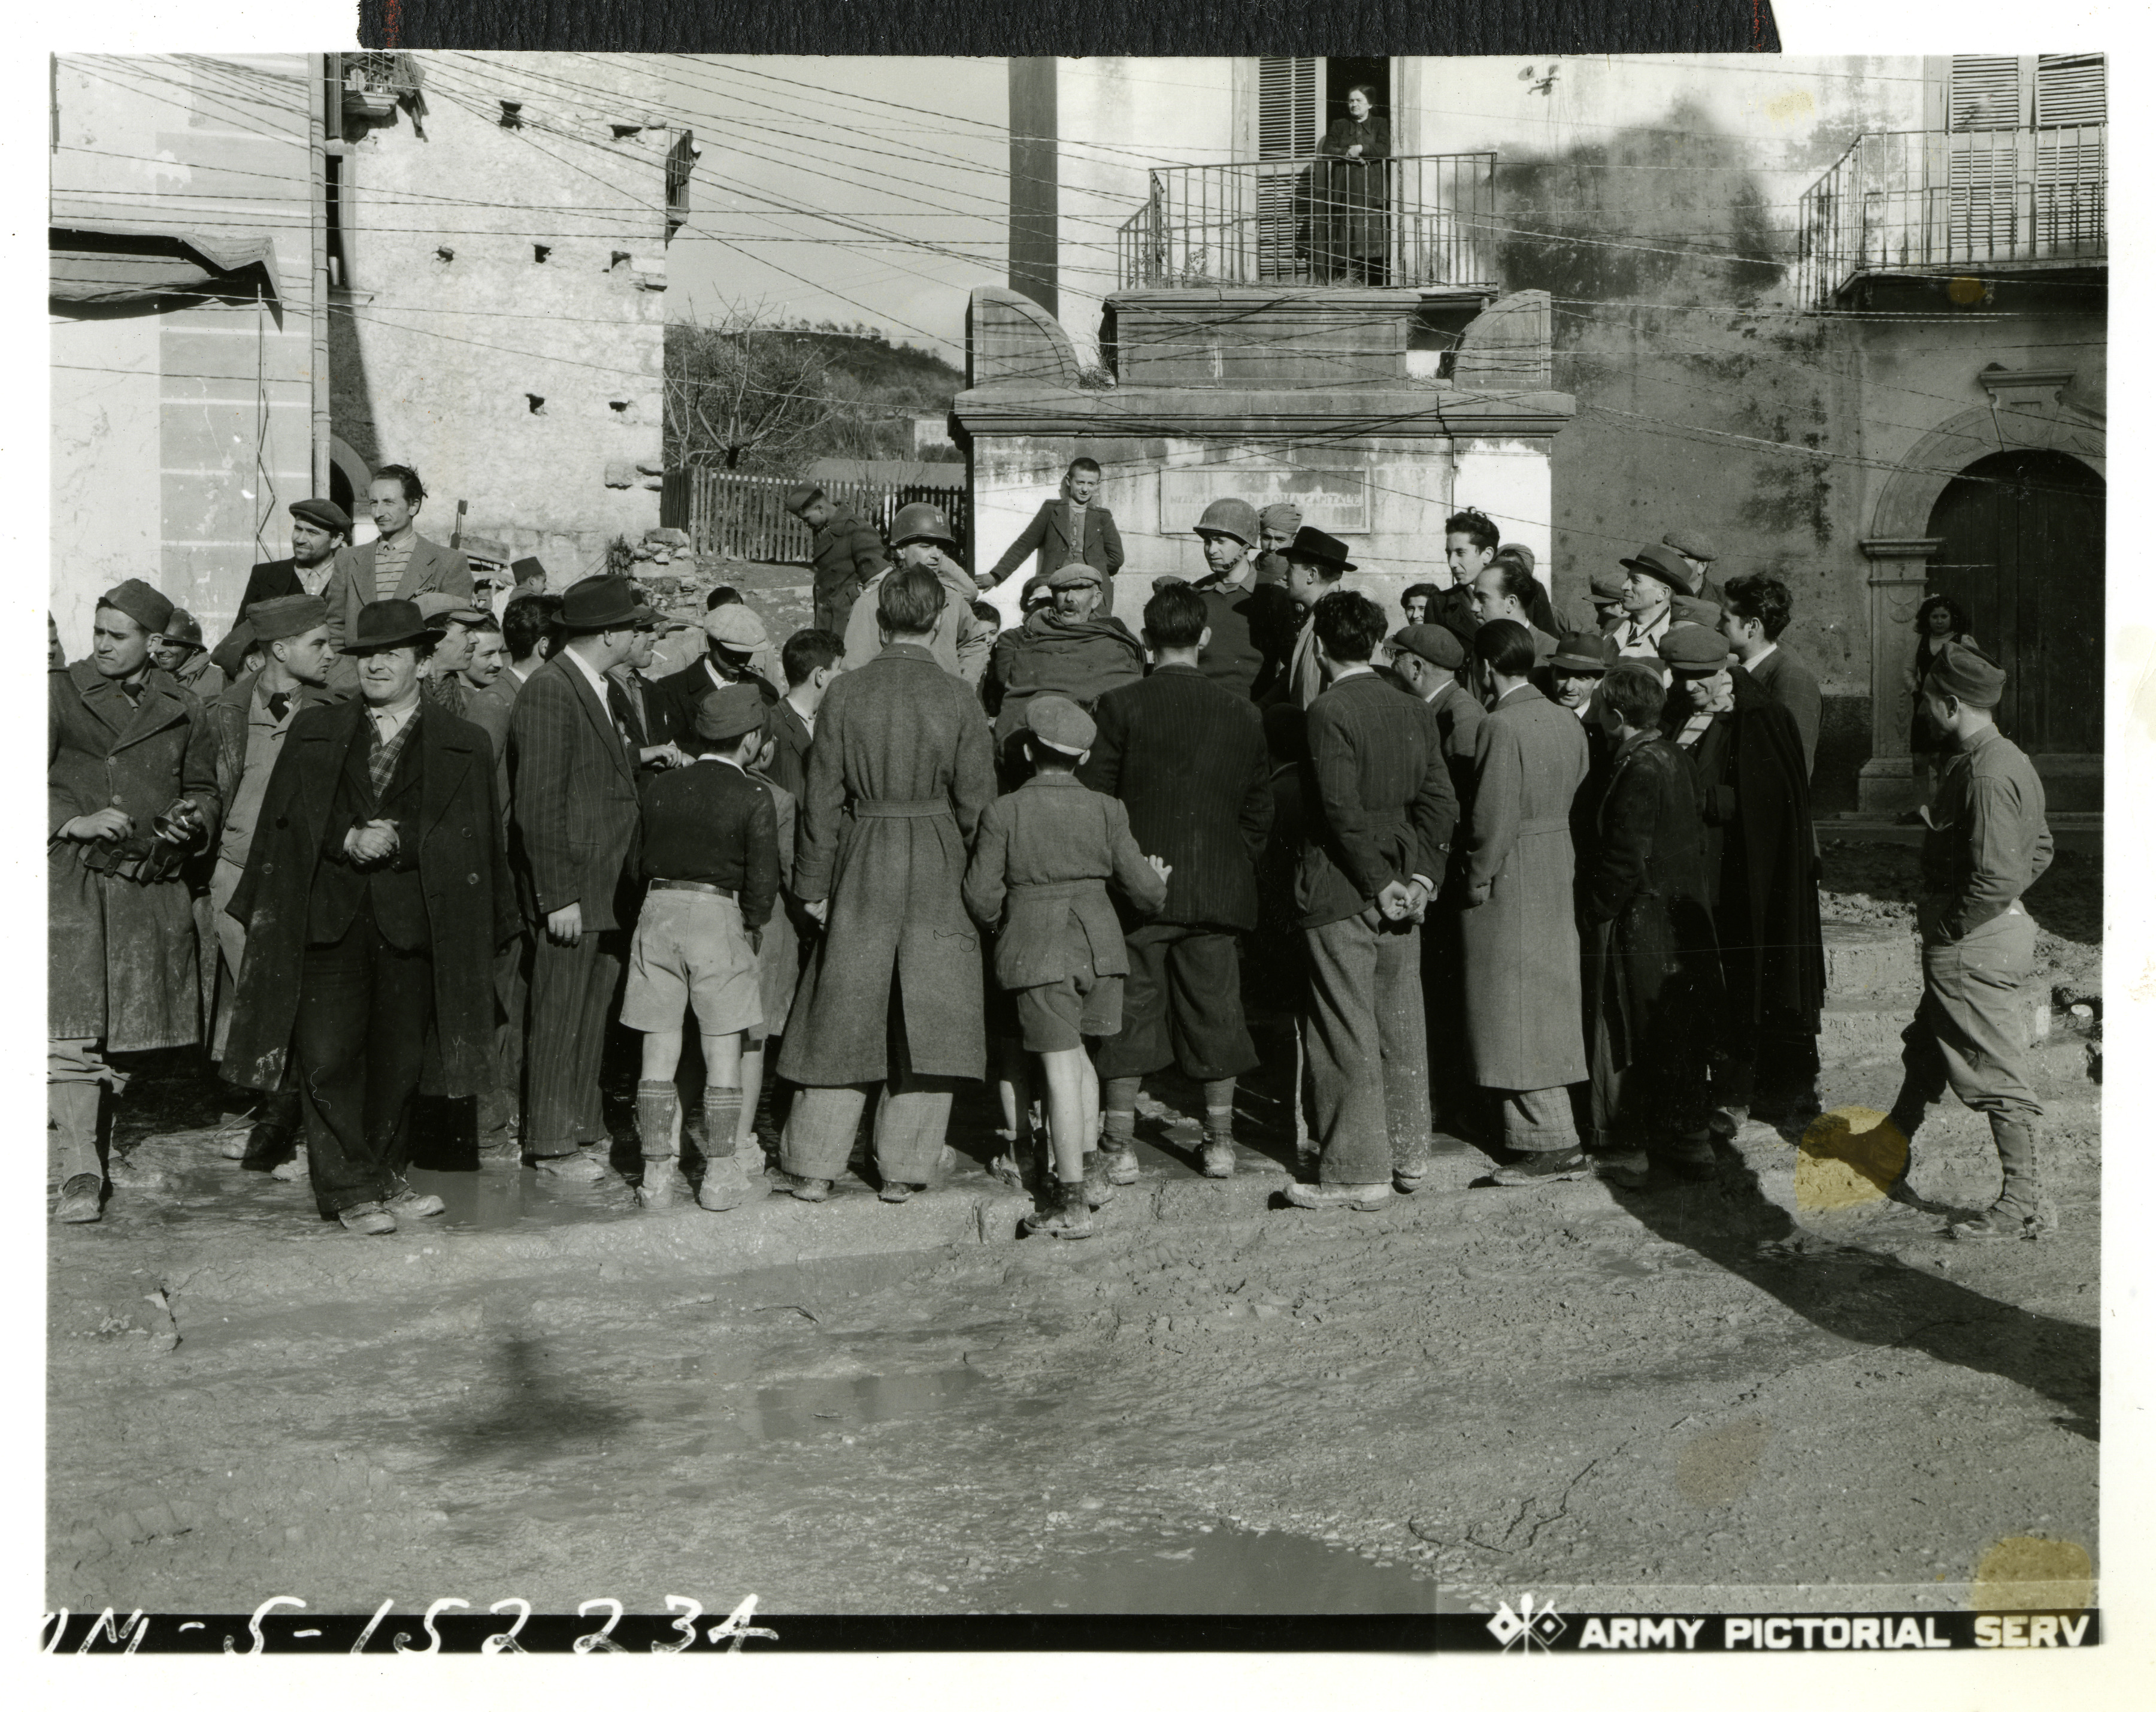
column 1237, row 517
column 921, row 522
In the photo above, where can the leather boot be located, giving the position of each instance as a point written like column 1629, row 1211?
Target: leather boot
column 2022, row 1208
column 71, row 1108
column 1099, row 1190
column 1071, row 1217
column 657, row 1107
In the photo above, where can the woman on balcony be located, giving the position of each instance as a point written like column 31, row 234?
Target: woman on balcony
column 1347, row 227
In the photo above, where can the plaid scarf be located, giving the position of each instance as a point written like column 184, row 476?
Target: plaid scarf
column 381, row 758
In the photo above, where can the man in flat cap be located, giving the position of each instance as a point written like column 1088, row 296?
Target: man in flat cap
column 1252, row 622
column 1074, row 524
column 458, row 618
column 922, row 538
column 845, row 552
column 375, row 897
column 900, row 772
column 1755, row 612
column 1652, row 577
column 1187, row 758
column 1070, row 649
column 572, row 837
column 319, row 527
column 1985, row 843
column 131, row 788
column 1697, row 552
column 401, row 565
column 1605, row 600
column 733, row 636
column 1762, row 881
column 251, row 721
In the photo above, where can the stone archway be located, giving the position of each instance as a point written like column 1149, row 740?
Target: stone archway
column 356, row 474
column 1904, row 507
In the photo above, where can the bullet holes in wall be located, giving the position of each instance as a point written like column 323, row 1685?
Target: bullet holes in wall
column 445, row 254
column 618, row 259
column 536, row 405
column 512, row 116
column 619, row 406
column 540, row 252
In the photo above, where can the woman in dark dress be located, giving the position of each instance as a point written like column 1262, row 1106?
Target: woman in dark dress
column 1348, row 223
column 1939, row 621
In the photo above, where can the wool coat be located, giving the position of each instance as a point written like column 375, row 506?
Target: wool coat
column 1650, row 961
column 791, row 739
column 573, row 813
column 1520, row 941
column 1187, row 758
column 464, row 880
column 961, row 640
column 1038, row 879
column 1378, row 800
column 898, row 776
column 1790, row 683
column 122, row 959
column 1047, row 537
column 1080, row 658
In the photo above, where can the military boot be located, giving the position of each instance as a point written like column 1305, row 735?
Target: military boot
column 2023, row 1209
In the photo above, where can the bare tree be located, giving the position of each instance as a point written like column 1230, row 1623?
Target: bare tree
column 746, row 394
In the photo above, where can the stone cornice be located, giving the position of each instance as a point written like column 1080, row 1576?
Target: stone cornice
column 1373, row 413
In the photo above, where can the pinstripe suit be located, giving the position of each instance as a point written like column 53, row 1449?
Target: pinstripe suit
column 573, row 830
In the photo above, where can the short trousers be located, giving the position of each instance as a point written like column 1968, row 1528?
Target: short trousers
column 1057, row 1017
column 691, row 949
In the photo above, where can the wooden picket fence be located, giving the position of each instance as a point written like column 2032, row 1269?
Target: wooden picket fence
column 745, row 516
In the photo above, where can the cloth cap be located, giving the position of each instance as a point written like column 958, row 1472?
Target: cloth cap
column 726, row 713
column 1662, row 563
column 602, row 603
column 1960, row 671
column 1606, row 585
column 1690, row 610
column 287, row 616
column 1077, row 571
column 1524, row 552
column 390, row 624
column 1433, row 643
column 799, row 499
column 139, row 602
column 1694, row 650
column 1237, row 518
column 1581, row 652
column 324, row 514
column 1060, row 723
column 1691, row 544
column 181, row 627
column 437, row 606
column 1284, row 517
column 735, row 626
column 1035, row 587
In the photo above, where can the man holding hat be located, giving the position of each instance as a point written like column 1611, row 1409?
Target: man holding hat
column 375, row 897
column 733, row 635
column 1074, row 524
column 1316, row 562
column 921, row 537
column 900, row 772
column 1249, row 621
column 319, row 527
column 709, row 856
column 843, row 553
column 131, row 788
column 1652, row 576
column 1070, row 648
column 573, row 834
column 1697, row 553
column 1763, row 876
column 251, row 721
column 1986, row 842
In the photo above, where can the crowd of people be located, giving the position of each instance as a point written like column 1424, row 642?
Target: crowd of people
column 1550, row 889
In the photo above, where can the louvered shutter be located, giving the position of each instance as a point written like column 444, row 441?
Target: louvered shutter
column 1988, row 110
column 1288, row 131
column 1987, row 93
column 2069, row 200
column 2070, row 89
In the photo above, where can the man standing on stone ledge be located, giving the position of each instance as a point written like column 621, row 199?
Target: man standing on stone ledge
column 130, row 786
column 844, row 551
column 402, row 564
column 1073, row 526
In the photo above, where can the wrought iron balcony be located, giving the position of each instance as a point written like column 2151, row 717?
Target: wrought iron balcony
column 1928, row 202
column 1316, row 220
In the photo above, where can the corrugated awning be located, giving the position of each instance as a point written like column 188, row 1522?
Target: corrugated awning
column 118, row 264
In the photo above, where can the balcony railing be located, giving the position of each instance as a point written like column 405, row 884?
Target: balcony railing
column 1939, row 202
column 1318, row 220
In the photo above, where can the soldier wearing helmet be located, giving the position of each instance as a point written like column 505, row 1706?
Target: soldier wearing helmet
column 920, row 535
column 1250, row 624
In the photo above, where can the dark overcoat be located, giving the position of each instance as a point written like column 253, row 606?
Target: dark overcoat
column 1648, row 940
column 1378, row 800
column 574, row 816
column 122, row 959
column 898, row 776
column 471, row 911
column 1520, row 944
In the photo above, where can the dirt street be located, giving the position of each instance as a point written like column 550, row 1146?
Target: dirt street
column 1773, row 1391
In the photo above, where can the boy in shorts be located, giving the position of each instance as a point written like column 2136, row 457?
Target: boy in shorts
column 1041, row 859
column 710, row 860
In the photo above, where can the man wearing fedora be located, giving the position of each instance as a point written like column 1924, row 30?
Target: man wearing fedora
column 572, row 834
column 401, row 565
column 130, row 788
column 1249, row 622
column 1697, row 553
column 922, row 538
column 843, row 553
column 320, row 528
column 375, row 897
column 1986, row 842
column 1652, row 577
column 1763, row 876
column 1073, row 526
column 1316, row 563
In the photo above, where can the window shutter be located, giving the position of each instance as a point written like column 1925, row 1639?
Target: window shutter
column 680, row 162
column 1986, row 93
column 2070, row 89
column 1287, row 106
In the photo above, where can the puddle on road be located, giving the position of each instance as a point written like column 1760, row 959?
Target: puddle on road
column 1230, row 1572
column 498, row 1201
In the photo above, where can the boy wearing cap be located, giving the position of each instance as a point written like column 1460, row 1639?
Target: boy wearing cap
column 130, row 787
column 1605, row 597
column 922, row 538
column 1038, row 876
column 1075, row 525
column 1763, row 876
column 845, row 553
column 1250, row 621
column 709, row 861
column 1985, row 843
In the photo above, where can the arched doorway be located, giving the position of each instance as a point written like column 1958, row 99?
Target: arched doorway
column 2022, row 551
